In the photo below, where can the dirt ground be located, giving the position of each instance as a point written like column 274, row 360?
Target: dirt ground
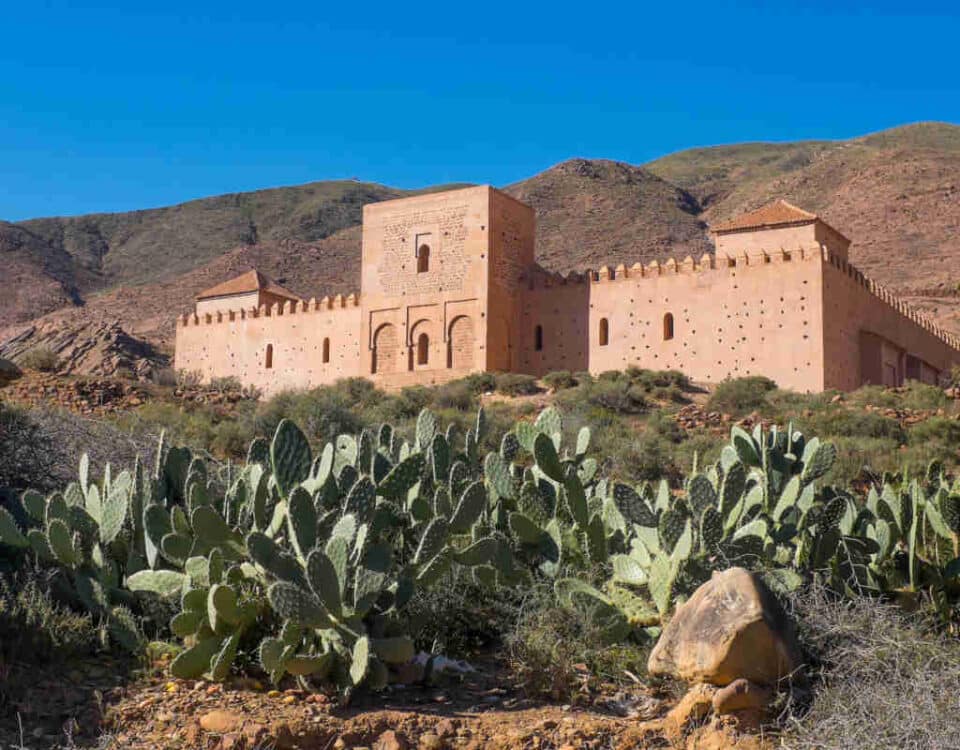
column 106, row 704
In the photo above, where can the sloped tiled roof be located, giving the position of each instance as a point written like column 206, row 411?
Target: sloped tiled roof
column 778, row 213
column 251, row 281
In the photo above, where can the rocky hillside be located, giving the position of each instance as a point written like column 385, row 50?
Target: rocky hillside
column 895, row 193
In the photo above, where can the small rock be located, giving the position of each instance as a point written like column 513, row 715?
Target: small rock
column 430, row 741
column 221, row 722
column 693, row 707
column 390, row 740
column 739, row 695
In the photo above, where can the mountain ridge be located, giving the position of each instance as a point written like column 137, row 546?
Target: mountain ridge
column 895, row 193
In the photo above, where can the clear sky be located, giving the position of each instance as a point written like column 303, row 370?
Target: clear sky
column 120, row 105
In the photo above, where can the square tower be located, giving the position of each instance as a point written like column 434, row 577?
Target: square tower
column 440, row 278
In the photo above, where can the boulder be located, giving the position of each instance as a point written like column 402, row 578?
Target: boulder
column 732, row 627
column 8, row 372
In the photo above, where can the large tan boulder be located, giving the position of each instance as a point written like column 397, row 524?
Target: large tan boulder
column 8, row 372
column 732, row 627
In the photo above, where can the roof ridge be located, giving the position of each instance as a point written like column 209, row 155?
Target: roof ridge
column 778, row 212
column 253, row 280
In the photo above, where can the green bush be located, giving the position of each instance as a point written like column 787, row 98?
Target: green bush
column 228, row 384
column 740, row 396
column 842, row 422
column 40, row 358
column 936, row 430
column 921, row 396
column 481, row 382
column 559, row 380
column 35, row 626
column 456, row 395
column 559, row 651
column 515, row 384
column 618, row 396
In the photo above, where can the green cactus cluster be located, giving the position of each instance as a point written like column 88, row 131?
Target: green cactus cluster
column 304, row 562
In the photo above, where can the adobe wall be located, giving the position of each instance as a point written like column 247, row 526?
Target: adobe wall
column 445, row 303
column 870, row 336
column 512, row 235
column 235, row 344
column 760, row 315
column 232, row 302
column 770, row 239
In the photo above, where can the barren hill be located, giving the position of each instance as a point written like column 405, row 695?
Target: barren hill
column 895, row 193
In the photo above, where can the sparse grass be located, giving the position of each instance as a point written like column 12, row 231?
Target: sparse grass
column 34, row 626
column 558, row 652
column 882, row 679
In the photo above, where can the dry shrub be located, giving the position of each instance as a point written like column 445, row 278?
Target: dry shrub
column 882, row 678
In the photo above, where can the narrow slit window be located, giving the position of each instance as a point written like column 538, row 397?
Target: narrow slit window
column 423, row 349
column 423, row 258
column 269, row 359
column 668, row 326
column 326, row 350
column 604, row 332
column 538, row 338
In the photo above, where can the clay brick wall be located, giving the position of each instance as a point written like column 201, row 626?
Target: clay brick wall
column 443, row 298
column 868, row 334
column 773, row 239
column 512, row 235
column 759, row 316
column 235, row 344
column 450, row 286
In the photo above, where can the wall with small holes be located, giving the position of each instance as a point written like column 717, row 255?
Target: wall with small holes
column 762, row 318
column 236, row 344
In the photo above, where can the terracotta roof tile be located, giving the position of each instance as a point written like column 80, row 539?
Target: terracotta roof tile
column 774, row 214
column 251, row 281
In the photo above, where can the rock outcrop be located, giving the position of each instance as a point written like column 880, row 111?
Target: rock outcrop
column 101, row 349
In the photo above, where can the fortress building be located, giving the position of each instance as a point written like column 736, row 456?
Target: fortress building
column 449, row 286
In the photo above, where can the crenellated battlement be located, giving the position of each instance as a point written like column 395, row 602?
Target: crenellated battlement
column 543, row 279
column 886, row 296
column 277, row 309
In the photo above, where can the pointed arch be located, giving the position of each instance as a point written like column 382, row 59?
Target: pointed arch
column 386, row 350
column 460, row 343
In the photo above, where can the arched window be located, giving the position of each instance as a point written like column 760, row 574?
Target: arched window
column 668, row 326
column 326, row 350
column 423, row 258
column 423, row 349
column 604, row 332
column 269, row 360
column 538, row 338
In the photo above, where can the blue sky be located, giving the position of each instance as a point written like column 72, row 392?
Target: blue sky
column 115, row 106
